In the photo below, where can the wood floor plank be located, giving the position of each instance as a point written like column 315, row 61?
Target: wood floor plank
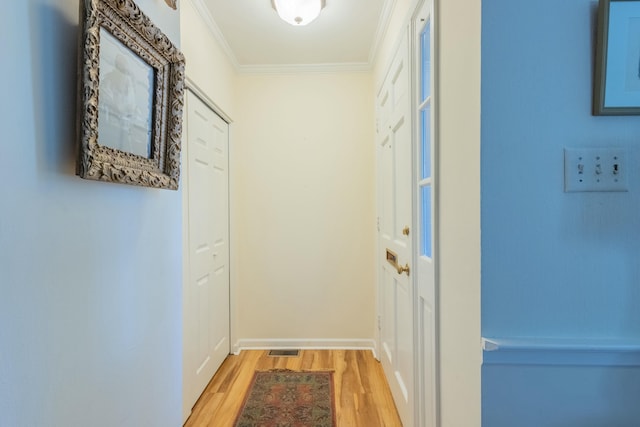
column 363, row 398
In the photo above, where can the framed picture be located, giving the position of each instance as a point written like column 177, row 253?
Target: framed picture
column 130, row 97
column 617, row 68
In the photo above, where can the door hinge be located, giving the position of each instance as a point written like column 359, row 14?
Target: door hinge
column 378, row 223
column 379, row 322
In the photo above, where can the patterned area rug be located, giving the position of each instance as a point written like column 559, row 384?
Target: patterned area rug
column 289, row 399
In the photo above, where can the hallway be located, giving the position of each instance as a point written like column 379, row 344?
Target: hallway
column 105, row 298
column 362, row 394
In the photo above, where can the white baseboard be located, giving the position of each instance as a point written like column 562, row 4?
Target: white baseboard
column 305, row 344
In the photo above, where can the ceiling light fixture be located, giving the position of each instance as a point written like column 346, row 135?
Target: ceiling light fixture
column 298, row 12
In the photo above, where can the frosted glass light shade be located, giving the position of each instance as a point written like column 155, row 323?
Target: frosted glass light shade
column 298, row 12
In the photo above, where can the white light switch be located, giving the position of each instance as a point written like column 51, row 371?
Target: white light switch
column 595, row 169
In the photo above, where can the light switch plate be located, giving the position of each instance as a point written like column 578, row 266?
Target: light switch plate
column 595, row 169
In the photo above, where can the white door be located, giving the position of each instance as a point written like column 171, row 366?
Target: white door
column 425, row 185
column 206, row 291
column 394, row 244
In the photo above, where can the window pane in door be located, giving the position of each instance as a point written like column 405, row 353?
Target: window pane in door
column 425, row 205
column 425, row 47
column 425, row 142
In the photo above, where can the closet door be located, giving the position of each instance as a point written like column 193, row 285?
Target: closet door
column 206, row 288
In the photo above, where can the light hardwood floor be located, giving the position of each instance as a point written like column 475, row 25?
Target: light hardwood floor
column 363, row 398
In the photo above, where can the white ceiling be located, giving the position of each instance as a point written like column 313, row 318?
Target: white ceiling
column 346, row 33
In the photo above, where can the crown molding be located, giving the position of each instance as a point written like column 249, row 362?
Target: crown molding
column 354, row 67
column 210, row 23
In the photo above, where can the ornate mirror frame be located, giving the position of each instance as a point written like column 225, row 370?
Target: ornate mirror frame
column 617, row 65
column 145, row 60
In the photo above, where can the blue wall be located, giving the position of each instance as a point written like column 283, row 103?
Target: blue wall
column 560, row 396
column 90, row 272
column 554, row 265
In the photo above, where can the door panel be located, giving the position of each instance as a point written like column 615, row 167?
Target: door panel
column 395, row 200
column 220, row 241
column 402, row 177
column 427, row 406
column 206, row 291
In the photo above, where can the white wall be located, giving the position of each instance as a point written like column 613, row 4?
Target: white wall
column 306, row 213
column 459, row 209
column 90, row 272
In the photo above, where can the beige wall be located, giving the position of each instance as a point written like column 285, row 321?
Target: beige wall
column 305, row 197
column 459, row 108
column 207, row 64
column 302, row 195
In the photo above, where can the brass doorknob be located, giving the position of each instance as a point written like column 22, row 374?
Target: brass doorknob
column 405, row 231
column 404, row 269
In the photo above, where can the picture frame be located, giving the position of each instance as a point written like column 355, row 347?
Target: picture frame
column 617, row 64
column 131, row 83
